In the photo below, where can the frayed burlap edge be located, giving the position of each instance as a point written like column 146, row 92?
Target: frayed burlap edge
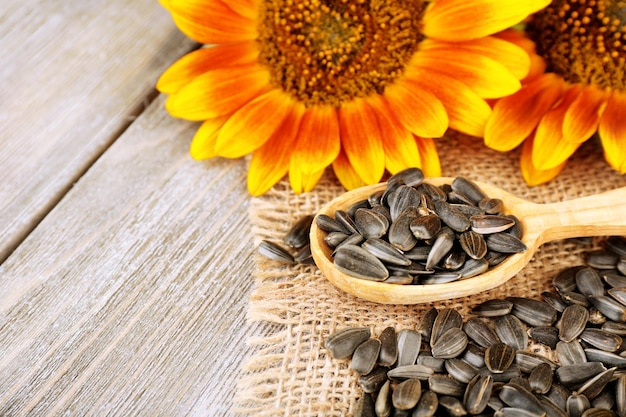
column 291, row 373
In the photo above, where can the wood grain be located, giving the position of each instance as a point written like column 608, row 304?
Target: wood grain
column 73, row 76
column 129, row 297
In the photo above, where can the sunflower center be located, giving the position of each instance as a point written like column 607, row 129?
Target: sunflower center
column 583, row 40
column 331, row 51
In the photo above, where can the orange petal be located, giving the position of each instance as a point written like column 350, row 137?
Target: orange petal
column 246, row 8
column 514, row 117
column 583, row 116
column 300, row 181
column 613, row 131
column 218, row 92
column 345, row 172
column 203, row 142
column 418, row 110
column 467, row 112
column 456, row 20
column 485, row 76
column 211, row 21
column 203, row 60
column 271, row 161
column 398, row 142
column 430, row 158
column 531, row 174
column 318, row 140
column 537, row 63
column 251, row 126
column 361, row 140
column 550, row 149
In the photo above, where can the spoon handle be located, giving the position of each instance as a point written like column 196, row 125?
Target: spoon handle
column 597, row 215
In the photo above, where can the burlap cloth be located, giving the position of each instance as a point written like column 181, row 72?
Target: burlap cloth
column 291, row 373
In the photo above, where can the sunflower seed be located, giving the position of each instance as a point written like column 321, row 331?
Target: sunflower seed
column 588, row 282
column 593, row 387
column 445, row 319
column 533, row 312
column 607, row 358
column 384, row 251
column 443, row 242
column 617, row 328
column 427, row 405
column 372, row 381
column 436, row 364
column 570, row 353
column 487, row 224
column 609, row 307
column 409, row 176
column 477, row 394
column 493, row 308
column 353, row 239
column 406, row 394
column 365, row 407
column 434, row 193
column 346, row 221
column 511, row 331
column 329, row 224
column 620, row 395
column 453, row 260
column 480, row 332
column 565, row 280
column 573, row 375
column 554, row 300
column 409, row 343
column 473, row 244
column 452, row 406
column 370, row 223
column 597, row 412
column 334, row 239
column 614, row 279
column 546, row 335
column 460, row 370
column 364, row 204
column 468, row 188
column 616, row 244
column 451, row 217
column 425, row 326
column 400, row 234
column 383, row 405
column 573, row 297
column 365, row 356
column 388, row 347
column 403, row 198
column 573, row 322
column 619, row 294
column 356, row 261
column 415, row 371
column 425, row 227
column 505, row 243
column 601, row 339
column 446, row 385
column 275, row 252
column 498, row 357
column 298, row 234
column 577, row 404
column 474, row 355
column 540, row 379
column 303, row 255
column 602, row 259
column 342, row 343
column 517, row 396
column 527, row 361
column 491, row 205
column 450, row 344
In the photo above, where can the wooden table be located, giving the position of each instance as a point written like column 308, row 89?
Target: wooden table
column 126, row 266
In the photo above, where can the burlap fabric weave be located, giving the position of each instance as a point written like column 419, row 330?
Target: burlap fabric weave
column 291, row 373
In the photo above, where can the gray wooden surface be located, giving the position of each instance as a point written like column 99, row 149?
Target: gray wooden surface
column 126, row 266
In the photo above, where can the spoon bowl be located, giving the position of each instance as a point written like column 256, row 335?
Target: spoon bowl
column 597, row 215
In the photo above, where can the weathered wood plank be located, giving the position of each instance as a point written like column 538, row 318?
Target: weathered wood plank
column 73, row 75
column 129, row 297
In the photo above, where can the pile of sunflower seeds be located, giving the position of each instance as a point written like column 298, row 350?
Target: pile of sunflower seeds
column 416, row 233
column 489, row 364
column 297, row 241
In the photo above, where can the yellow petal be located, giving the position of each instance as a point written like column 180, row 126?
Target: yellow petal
column 612, row 131
column 345, row 172
column 531, row 174
column 301, row 181
column 398, row 142
column 516, row 116
column 253, row 124
column 485, row 76
column 583, row 115
column 430, row 158
column 361, row 140
column 203, row 143
column 271, row 161
column 200, row 61
column 318, row 140
column 467, row 112
column 418, row 110
column 218, row 92
column 456, row 20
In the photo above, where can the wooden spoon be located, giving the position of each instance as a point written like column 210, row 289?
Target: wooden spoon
column 597, row 215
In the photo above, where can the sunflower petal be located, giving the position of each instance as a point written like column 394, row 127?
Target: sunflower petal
column 361, row 140
column 203, row 60
column 514, row 117
column 470, row 19
column 300, row 181
column 485, row 76
column 398, row 142
column 318, row 140
column 467, row 112
column 531, row 174
column 211, row 21
column 345, row 172
column 270, row 162
column 218, row 92
column 418, row 110
column 430, row 158
column 583, row 115
column 203, row 142
column 613, row 131
column 250, row 127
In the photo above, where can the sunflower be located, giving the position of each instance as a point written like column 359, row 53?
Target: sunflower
column 576, row 90
column 363, row 86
